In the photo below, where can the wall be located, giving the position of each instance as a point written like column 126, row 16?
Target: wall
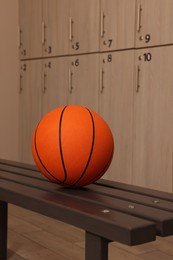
column 9, row 78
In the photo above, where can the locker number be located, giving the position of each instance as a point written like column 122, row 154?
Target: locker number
column 108, row 42
column 109, row 59
column 48, row 65
column 75, row 63
column 24, row 67
column 23, row 52
column 147, row 56
column 76, row 46
column 147, row 38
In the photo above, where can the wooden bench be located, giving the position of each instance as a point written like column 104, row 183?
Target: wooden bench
column 107, row 211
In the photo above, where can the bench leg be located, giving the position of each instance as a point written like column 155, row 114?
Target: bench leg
column 3, row 230
column 95, row 247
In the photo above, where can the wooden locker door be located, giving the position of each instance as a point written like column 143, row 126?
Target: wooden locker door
column 116, row 107
column 84, row 80
column 29, row 106
column 30, row 17
column 154, row 22
column 153, row 119
column 55, row 82
column 84, row 26
column 117, row 24
column 55, row 27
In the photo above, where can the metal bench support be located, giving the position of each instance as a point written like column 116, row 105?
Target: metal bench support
column 3, row 230
column 95, row 247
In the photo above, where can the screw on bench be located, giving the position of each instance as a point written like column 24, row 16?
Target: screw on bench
column 131, row 206
column 105, row 211
column 156, row 201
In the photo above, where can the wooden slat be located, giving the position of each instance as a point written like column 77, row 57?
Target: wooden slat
column 113, row 225
column 18, row 164
column 102, row 186
column 31, row 173
column 101, row 195
column 163, row 220
column 136, row 189
column 37, row 181
column 151, row 201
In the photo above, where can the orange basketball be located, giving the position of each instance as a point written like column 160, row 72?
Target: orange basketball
column 72, row 146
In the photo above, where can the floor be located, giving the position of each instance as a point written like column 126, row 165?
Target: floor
column 36, row 237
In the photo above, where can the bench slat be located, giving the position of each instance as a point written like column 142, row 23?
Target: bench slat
column 136, row 189
column 163, row 219
column 102, row 184
column 113, row 225
column 18, row 164
column 150, row 201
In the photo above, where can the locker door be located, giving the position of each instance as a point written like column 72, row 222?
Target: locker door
column 55, row 27
column 153, row 118
column 84, row 26
column 29, row 106
column 154, row 22
column 116, row 107
column 117, row 24
column 55, row 83
column 30, row 17
column 84, row 81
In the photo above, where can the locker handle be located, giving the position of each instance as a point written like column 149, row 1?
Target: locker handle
column 70, row 76
column 44, row 83
column 138, row 79
column 43, row 28
column 102, row 80
column 20, row 84
column 19, row 37
column 102, row 24
column 71, row 22
column 139, row 16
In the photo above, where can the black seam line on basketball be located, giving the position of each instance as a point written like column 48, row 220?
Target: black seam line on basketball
column 35, row 143
column 60, row 145
column 91, row 151
column 102, row 172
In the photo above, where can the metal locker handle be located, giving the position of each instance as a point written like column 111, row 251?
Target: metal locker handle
column 139, row 18
column 70, row 76
column 44, row 83
column 20, row 83
column 102, row 24
column 19, row 37
column 43, row 28
column 71, row 22
column 102, row 80
column 138, row 79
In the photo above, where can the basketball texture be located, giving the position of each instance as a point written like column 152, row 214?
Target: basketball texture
column 72, row 146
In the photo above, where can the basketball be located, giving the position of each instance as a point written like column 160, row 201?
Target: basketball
column 72, row 146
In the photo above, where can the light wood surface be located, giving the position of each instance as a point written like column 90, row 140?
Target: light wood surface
column 154, row 17
column 153, row 120
column 32, row 236
column 30, row 26
column 84, row 83
column 54, row 83
column 29, row 105
column 84, row 17
column 9, row 80
column 56, row 27
column 116, row 107
column 117, row 24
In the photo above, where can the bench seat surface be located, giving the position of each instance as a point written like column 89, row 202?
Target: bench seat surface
column 118, row 212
